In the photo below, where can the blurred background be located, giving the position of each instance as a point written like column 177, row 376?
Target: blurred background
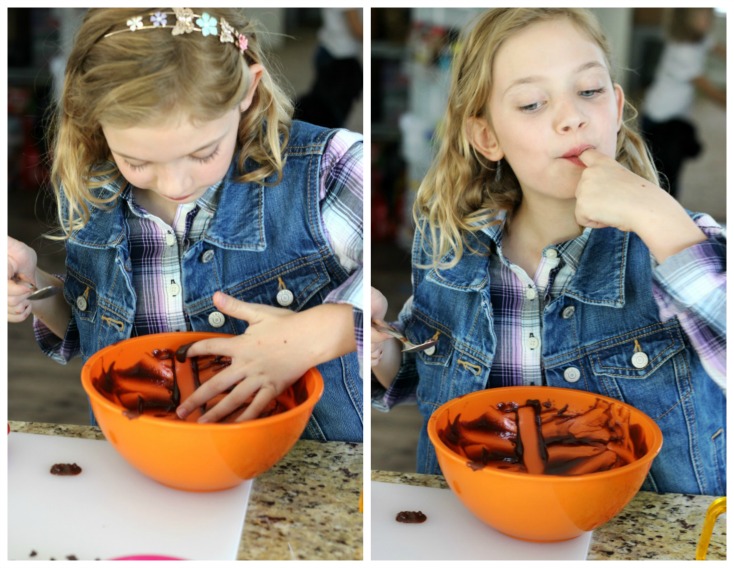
column 38, row 41
column 411, row 54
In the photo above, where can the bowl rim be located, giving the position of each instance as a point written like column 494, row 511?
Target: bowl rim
column 648, row 457
column 96, row 397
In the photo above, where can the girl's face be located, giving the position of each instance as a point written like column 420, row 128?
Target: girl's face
column 175, row 162
column 552, row 98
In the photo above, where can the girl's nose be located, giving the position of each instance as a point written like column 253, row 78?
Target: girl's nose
column 172, row 181
column 569, row 116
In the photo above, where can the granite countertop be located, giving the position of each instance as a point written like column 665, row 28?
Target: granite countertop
column 651, row 527
column 306, row 507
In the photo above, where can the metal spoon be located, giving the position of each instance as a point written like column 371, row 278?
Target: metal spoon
column 37, row 294
column 45, row 292
column 409, row 346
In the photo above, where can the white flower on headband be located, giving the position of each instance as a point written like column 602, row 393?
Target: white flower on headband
column 135, row 23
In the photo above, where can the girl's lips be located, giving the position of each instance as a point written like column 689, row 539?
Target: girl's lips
column 573, row 155
column 181, row 199
column 575, row 160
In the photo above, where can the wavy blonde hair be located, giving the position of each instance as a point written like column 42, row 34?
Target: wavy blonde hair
column 129, row 79
column 462, row 193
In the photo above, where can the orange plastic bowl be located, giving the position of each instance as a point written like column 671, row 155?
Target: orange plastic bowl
column 540, row 507
column 186, row 455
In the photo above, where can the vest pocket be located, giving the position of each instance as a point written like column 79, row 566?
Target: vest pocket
column 81, row 294
column 295, row 285
column 100, row 320
column 661, row 386
column 638, row 354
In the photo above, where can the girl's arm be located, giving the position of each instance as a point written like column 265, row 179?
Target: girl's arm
column 689, row 253
column 691, row 286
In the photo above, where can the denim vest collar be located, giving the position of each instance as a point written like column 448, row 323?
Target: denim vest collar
column 240, row 228
column 599, row 279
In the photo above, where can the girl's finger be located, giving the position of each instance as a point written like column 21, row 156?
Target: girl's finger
column 265, row 395
column 211, row 388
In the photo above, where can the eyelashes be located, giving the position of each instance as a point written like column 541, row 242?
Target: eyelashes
column 204, row 160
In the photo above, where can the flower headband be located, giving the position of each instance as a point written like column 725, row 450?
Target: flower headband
column 187, row 22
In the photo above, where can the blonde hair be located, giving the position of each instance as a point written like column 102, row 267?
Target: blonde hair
column 129, row 79
column 462, row 191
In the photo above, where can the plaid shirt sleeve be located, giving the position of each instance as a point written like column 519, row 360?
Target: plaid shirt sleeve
column 342, row 177
column 691, row 286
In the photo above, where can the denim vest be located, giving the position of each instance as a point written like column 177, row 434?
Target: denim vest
column 258, row 236
column 590, row 328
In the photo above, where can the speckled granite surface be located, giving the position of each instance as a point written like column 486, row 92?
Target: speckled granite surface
column 305, row 508
column 651, row 527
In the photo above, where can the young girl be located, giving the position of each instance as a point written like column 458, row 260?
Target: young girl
column 546, row 253
column 666, row 121
column 189, row 200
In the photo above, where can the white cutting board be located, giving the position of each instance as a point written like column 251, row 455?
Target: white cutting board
column 110, row 509
column 450, row 531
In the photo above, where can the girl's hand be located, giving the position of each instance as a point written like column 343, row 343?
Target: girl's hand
column 609, row 195
column 378, row 304
column 278, row 346
column 21, row 279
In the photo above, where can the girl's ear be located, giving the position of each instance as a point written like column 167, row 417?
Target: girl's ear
column 619, row 94
column 256, row 72
column 482, row 138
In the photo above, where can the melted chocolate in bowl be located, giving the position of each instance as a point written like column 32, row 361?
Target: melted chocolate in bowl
column 539, row 438
column 157, row 384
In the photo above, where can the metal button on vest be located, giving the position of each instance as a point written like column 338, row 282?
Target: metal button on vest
column 572, row 374
column 531, row 294
column 533, row 342
column 568, row 312
column 170, row 239
column 216, row 319
column 208, row 256
column 640, row 360
column 430, row 351
column 81, row 303
column 284, row 298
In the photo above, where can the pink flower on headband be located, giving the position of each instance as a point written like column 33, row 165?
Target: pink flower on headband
column 242, row 42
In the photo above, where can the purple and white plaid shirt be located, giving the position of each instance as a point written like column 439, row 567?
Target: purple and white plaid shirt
column 156, row 247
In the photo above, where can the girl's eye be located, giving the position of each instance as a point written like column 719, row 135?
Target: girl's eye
column 530, row 107
column 589, row 93
column 208, row 158
column 135, row 167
